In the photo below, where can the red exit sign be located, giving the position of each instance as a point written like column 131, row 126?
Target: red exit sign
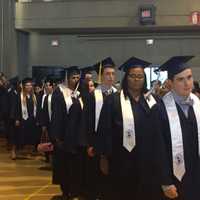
column 146, row 13
column 195, row 18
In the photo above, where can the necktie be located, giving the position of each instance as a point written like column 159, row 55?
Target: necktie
column 188, row 102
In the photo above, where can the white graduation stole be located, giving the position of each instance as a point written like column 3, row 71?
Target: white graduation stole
column 114, row 89
column 75, row 94
column 49, row 106
column 176, row 132
column 67, row 96
column 129, row 141
column 24, row 108
column 43, row 97
column 98, row 105
column 81, row 102
column 150, row 100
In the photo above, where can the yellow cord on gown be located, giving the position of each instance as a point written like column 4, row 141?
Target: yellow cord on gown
column 99, row 73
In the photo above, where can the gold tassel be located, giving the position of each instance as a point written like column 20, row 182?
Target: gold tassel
column 99, row 73
column 23, row 93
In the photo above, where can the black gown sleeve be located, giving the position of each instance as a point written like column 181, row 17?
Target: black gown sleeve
column 89, row 114
column 58, row 119
column 72, row 133
column 12, row 102
column 44, row 116
column 159, row 128
column 84, row 123
column 4, row 106
column 18, row 112
column 103, row 142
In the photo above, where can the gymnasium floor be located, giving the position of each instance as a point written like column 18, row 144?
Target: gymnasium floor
column 25, row 178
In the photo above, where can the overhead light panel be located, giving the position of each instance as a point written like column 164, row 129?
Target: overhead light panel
column 25, row 1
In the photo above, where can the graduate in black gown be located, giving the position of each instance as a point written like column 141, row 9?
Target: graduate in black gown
column 86, row 87
column 175, row 123
column 8, row 96
column 125, row 139
column 86, row 73
column 5, row 91
column 95, row 180
column 86, row 78
column 64, row 134
column 12, row 92
column 45, row 115
column 40, row 94
column 26, row 116
column 38, row 88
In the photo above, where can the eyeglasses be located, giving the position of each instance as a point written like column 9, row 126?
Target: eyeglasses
column 136, row 76
column 28, row 85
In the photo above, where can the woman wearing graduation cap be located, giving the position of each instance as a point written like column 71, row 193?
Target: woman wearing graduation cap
column 64, row 129
column 86, row 82
column 8, row 104
column 86, row 73
column 11, row 102
column 176, row 128
column 26, row 117
column 125, row 138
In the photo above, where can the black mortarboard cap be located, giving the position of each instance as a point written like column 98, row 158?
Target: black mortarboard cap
column 134, row 62
column 72, row 70
column 106, row 63
column 50, row 79
column 14, row 80
column 175, row 65
column 27, row 80
column 38, row 83
column 87, row 70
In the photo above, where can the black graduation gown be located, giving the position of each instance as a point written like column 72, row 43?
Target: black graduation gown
column 28, row 129
column 91, row 120
column 39, row 98
column 71, row 129
column 44, row 114
column 12, row 99
column 131, row 172
column 96, row 183
column 64, row 133
column 4, row 110
column 44, row 120
column 90, row 113
column 189, row 187
column 7, row 107
column 86, row 118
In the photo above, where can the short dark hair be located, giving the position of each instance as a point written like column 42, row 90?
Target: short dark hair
column 50, row 81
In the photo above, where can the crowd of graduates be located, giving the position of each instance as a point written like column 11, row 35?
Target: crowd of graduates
column 106, row 141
